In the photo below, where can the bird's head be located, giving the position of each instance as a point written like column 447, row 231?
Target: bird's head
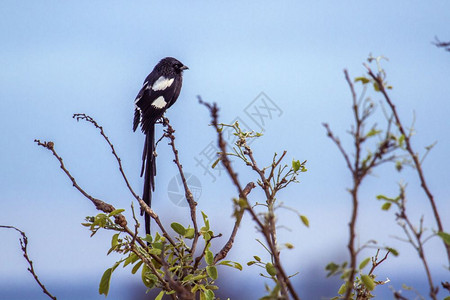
column 170, row 64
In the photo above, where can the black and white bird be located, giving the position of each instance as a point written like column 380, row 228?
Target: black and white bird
column 160, row 90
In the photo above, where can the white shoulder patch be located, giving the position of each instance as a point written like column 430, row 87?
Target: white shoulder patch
column 159, row 102
column 162, row 83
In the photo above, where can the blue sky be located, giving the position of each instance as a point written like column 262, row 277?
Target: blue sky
column 60, row 58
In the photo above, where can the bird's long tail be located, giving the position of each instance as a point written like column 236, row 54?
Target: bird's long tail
column 149, row 169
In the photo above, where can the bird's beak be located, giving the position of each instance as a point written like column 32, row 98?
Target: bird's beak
column 184, row 68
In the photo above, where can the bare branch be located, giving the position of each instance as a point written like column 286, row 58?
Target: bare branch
column 23, row 246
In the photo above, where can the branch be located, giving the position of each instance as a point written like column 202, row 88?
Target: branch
column 148, row 210
column 281, row 275
column 23, row 246
column 412, row 153
column 188, row 194
column 227, row 247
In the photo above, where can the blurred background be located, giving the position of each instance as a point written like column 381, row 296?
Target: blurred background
column 59, row 58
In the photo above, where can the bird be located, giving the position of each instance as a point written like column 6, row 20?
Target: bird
column 159, row 92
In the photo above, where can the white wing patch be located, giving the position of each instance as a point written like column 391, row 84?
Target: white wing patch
column 159, row 102
column 162, row 83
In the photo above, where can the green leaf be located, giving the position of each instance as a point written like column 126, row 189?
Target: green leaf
column 305, row 220
column 103, row 288
column 393, row 251
column 251, row 263
column 190, row 233
column 148, row 238
column 342, row 289
column 445, row 237
column 205, row 220
column 296, row 165
column 116, row 212
column 212, row 272
column 132, row 258
column 148, row 278
column 178, row 228
column 363, row 80
column 376, row 87
column 160, row 295
column 383, row 197
column 206, row 236
column 386, row 206
column 289, row 245
column 209, row 295
column 447, row 298
column 368, row 282
column 271, row 269
column 257, row 258
column 364, row 263
column 136, row 267
column 232, row 264
column 373, row 132
column 215, row 163
column 209, row 257
column 115, row 240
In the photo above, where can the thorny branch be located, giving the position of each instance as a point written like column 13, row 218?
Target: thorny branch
column 268, row 230
column 23, row 246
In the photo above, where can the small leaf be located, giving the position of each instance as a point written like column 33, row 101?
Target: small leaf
column 190, row 233
column 205, row 220
column 445, row 237
column 215, row 163
column 305, row 220
column 178, row 228
column 136, row 267
column 376, row 87
column 342, row 289
column 251, row 263
column 148, row 238
column 386, row 206
column 257, row 258
column 363, row 80
column 289, row 245
column 132, row 258
column 368, row 282
column 393, row 251
column 212, row 272
column 232, row 264
column 373, row 132
column 160, row 295
column 364, row 263
column 103, row 288
column 271, row 269
column 115, row 212
column 115, row 240
column 209, row 257
column 296, row 165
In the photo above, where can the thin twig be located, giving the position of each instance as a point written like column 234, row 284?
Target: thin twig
column 169, row 133
column 23, row 246
column 227, row 247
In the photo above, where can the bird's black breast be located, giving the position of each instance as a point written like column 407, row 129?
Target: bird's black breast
column 159, row 92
